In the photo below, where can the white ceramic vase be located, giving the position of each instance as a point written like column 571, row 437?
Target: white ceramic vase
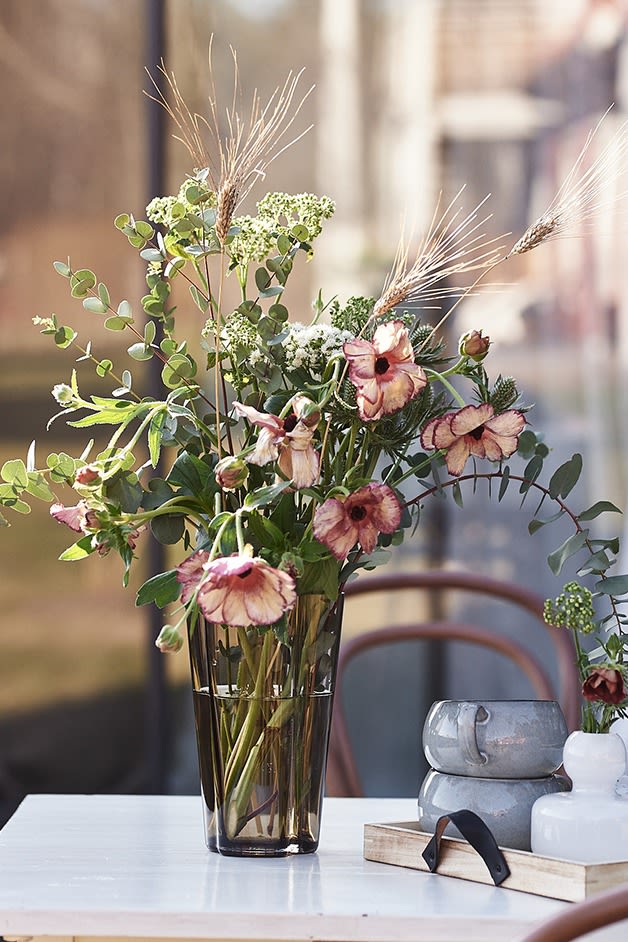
column 590, row 823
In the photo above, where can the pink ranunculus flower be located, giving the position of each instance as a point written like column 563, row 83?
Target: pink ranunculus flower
column 78, row 518
column 474, row 430
column 359, row 518
column 237, row 590
column 287, row 441
column 383, row 371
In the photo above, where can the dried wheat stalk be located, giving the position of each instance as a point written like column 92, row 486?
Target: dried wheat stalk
column 581, row 196
column 250, row 144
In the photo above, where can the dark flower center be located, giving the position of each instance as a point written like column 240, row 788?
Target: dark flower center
column 289, row 423
column 477, row 433
column 381, row 365
column 357, row 513
column 247, row 572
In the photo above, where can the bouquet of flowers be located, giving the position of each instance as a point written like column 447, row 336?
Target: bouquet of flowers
column 263, row 461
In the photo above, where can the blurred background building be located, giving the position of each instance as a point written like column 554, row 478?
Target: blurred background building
column 413, row 97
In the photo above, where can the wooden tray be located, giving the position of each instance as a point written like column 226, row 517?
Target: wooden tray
column 402, row 843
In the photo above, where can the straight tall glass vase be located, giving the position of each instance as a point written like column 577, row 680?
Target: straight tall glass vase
column 262, row 703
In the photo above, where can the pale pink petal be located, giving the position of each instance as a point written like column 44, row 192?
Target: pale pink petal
column 443, row 437
column 190, row 573
column 73, row 517
column 367, row 536
column 499, row 446
column 301, row 466
column 368, row 409
column 470, row 417
column 476, row 445
column 266, row 447
column 397, row 392
column 385, row 510
column 457, row 455
column 334, row 529
column 507, row 423
column 262, row 419
column 427, row 435
column 211, row 602
column 393, row 341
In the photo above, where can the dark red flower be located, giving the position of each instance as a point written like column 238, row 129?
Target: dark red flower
column 605, row 684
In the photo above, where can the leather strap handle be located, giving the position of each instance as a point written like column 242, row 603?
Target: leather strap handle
column 479, row 836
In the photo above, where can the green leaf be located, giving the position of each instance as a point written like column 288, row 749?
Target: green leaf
column 535, row 525
column 191, row 474
column 104, row 367
column 125, row 490
column 527, row 444
column 601, row 507
column 531, row 473
column 284, row 244
column 321, row 576
column 38, row 486
column 151, row 255
column 64, row 337
column 262, row 279
column 14, row 472
column 557, row 559
column 199, row 299
column 613, row 585
column 125, row 310
column 139, row 351
column 121, row 221
column 154, row 437
column 264, row 495
column 144, row 229
column 300, row 233
column 63, row 269
column 503, row 484
column 116, row 323
column 457, row 494
column 161, row 589
column 78, row 550
column 168, row 529
column 95, row 305
column 265, row 531
column 566, row 477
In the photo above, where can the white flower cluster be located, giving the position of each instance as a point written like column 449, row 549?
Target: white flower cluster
column 312, row 346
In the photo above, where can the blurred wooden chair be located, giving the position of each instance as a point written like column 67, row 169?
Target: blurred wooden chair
column 342, row 773
column 600, row 911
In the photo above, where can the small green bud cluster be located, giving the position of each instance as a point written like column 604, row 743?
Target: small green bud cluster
column 285, row 210
column 572, row 609
column 252, row 240
column 353, row 316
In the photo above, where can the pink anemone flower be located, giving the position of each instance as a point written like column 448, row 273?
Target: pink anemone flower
column 287, row 441
column 474, row 430
column 236, row 590
column 78, row 518
column 340, row 523
column 383, row 371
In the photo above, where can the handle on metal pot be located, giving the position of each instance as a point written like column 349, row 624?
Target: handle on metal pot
column 479, row 836
column 469, row 715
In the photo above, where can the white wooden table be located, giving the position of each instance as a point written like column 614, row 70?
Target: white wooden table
column 121, row 867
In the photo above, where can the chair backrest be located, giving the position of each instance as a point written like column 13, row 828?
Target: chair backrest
column 342, row 776
column 601, row 910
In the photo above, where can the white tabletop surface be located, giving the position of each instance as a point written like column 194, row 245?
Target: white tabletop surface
column 131, row 866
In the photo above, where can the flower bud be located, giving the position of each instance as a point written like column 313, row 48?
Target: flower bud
column 231, row 472
column 86, row 475
column 170, row 640
column 63, row 394
column 474, row 345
